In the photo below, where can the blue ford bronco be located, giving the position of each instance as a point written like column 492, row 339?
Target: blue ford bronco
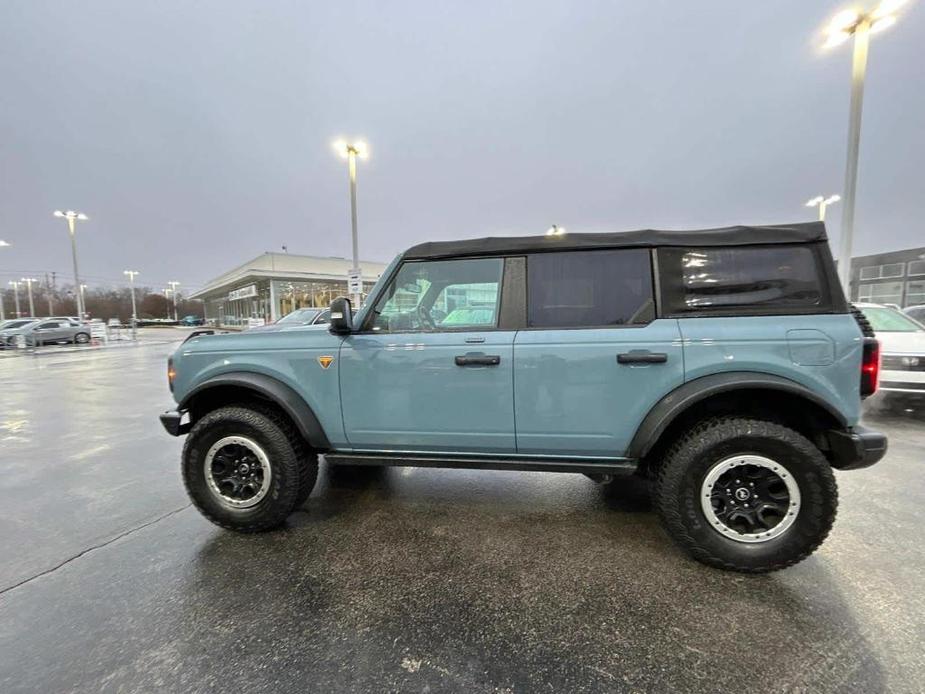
column 724, row 365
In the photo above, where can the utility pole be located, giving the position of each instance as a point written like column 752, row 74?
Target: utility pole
column 15, row 285
column 72, row 218
column 351, row 151
column 173, row 288
column 3, row 244
column 859, row 25
column 131, row 278
column 48, row 295
column 29, row 281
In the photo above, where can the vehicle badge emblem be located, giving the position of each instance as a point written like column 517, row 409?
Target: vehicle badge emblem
column 325, row 361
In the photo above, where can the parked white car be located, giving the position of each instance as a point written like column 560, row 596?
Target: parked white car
column 902, row 349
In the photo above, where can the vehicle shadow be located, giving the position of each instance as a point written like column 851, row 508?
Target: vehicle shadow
column 538, row 601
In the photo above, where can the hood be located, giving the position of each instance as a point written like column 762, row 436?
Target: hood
column 267, row 337
column 902, row 343
column 279, row 327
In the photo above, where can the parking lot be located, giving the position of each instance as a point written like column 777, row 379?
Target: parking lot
column 411, row 579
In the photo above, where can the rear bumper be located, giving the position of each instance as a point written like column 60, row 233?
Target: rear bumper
column 856, row 448
column 173, row 423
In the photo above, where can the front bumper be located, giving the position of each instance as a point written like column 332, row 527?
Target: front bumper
column 856, row 448
column 174, row 424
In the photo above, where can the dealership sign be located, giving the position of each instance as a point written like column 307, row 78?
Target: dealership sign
column 355, row 281
column 243, row 293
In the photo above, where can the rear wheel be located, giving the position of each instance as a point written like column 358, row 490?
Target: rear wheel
column 246, row 469
column 81, row 338
column 746, row 495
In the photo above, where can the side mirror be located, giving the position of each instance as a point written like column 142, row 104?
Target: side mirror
column 341, row 316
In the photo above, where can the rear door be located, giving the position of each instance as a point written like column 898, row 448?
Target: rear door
column 49, row 331
column 432, row 371
column 593, row 358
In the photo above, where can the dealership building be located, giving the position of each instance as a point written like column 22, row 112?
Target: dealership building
column 897, row 277
column 273, row 284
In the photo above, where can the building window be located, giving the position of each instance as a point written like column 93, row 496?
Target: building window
column 916, row 267
column 915, row 293
column 882, row 293
column 879, row 272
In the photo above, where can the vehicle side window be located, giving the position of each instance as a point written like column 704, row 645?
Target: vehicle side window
column 323, row 318
column 585, row 289
column 47, row 324
column 441, row 295
column 742, row 280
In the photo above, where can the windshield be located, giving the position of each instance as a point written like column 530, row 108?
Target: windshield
column 886, row 320
column 302, row 315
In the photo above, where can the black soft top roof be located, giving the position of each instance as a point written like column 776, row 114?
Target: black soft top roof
column 803, row 232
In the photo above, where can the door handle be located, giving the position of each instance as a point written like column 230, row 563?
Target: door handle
column 640, row 356
column 478, row 359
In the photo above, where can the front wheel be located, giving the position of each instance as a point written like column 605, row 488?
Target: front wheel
column 746, row 495
column 246, row 468
column 81, row 338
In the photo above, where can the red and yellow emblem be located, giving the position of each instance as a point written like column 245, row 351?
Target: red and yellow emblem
column 325, row 361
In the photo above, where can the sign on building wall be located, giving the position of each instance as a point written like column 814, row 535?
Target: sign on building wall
column 243, row 292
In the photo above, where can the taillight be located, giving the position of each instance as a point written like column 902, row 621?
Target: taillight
column 870, row 367
column 171, row 373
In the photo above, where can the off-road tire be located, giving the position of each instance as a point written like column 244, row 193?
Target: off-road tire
column 685, row 466
column 294, row 470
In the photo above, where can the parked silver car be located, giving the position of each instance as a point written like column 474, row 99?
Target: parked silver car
column 47, row 331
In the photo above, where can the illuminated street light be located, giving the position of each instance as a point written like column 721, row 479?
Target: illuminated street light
column 822, row 203
column 28, row 282
column 843, row 26
column 131, row 278
column 15, row 285
column 350, row 151
column 173, row 288
column 4, row 244
column 555, row 230
column 72, row 218
column 167, row 292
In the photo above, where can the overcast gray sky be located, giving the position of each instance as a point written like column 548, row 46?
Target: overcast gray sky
column 197, row 134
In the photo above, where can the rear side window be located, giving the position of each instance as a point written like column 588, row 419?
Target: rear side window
column 743, row 280
column 586, row 289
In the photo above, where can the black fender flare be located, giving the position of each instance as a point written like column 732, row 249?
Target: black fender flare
column 274, row 390
column 666, row 410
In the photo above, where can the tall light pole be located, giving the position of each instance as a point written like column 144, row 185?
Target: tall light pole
column 131, row 278
column 83, row 298
column 173, row 288
column 28, row 282
column 843, row 26
column 72, row 218
column 167, row 292
column 15, row 285
column 822, row 203
column 3, row 244
column 351, row 151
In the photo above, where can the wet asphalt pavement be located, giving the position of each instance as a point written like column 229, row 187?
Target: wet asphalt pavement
column 412, row 579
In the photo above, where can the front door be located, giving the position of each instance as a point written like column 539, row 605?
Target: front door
column 430, row 370
column 593, row 359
